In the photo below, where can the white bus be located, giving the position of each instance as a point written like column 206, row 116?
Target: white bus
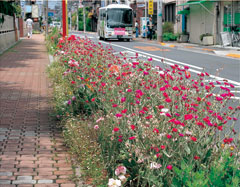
column 115, row 22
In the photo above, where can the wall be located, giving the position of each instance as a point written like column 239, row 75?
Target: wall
column 200, row 21
column 7, row 33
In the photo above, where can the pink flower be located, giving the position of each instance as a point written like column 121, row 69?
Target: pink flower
column 124, row 111
column 96, row 127
column 149, row 59
column 123, row 99
column 129, row 90
column 120, row 170
column 145, row 73
column 180, row 134
column 118, row 115
column 169, row 167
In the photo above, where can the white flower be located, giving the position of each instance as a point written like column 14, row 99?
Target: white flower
column 122, row 178
column 165, row 110
column 114, row 183
column 155, row 165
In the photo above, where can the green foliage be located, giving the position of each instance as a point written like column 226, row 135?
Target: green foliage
column 9, row 8
column 223, row 172
column 170, row 37
column 168, row 27
column 203, row 35
column 88, row 20
column 52, row 40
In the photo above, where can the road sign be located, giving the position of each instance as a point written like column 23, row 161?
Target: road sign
column 150, row 7
column 50, row 14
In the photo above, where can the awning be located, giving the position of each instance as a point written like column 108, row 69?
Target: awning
column 199, row 3
column 192, row 3
column 184, row 12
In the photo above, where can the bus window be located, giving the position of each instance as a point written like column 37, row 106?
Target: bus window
column 119, row 18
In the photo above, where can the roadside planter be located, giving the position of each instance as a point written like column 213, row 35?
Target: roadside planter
column 184, row 38
column 207, row 40
column 145, row 124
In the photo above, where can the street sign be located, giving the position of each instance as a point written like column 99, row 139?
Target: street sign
column 140, row 5
column 50, row 14
column 150, row 7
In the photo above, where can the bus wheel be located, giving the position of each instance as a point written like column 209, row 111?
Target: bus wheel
column 128, row 40
column 100, row 38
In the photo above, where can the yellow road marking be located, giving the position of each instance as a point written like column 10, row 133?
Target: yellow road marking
column 206, row 49
column 150, row 48
column 233, row 55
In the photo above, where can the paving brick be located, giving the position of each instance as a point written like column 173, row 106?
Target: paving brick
column 40, row 177
column 63, row 181
column 24, row 178
column 46, row 185
column 45, row 181
column 5, row 182
column 68, row 185
column 63, row 172
column 6, row 173
column 24, row 182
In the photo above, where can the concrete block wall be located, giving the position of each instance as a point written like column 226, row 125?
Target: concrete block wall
column 7, row 33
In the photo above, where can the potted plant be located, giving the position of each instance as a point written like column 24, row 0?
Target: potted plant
column 206, row 39
column 183, row 37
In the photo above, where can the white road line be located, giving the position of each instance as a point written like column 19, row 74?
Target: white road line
column 174, row 61
column 170, row 60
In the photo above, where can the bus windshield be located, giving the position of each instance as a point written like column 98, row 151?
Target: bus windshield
column 118, row 17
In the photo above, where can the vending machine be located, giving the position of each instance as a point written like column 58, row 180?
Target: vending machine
column 143, row 26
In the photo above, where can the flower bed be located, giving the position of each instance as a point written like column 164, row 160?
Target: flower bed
column 149, row 124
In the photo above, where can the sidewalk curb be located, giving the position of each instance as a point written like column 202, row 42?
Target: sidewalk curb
column 226, row 52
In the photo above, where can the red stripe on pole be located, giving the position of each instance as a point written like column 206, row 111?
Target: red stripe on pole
column 64, row 17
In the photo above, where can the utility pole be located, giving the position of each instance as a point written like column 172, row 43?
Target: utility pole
column 47, row 18
column 64, row 23
column 145, row 34
column 159, row 21
column 84, row 19
column 77, row 17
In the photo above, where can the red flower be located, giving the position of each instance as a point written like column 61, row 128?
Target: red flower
column 169, row 136
column 156, row 130
column 114, row 105
column 123, row 99
column 169, row 167
column 163, row 147
column 149, row 117
column 132, row 138
column 193, row 138
column 188, row 116
column 174, row 130
column 93, row 99
column 168, row 100
column 120, row 140
column 124, row 111
column 133, row 127
column 115, row 129
column 196, row 157
column 118, row 115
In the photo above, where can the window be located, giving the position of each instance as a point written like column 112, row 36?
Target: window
column 170, row 13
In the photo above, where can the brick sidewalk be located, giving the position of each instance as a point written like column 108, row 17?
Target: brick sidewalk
column 32, row 152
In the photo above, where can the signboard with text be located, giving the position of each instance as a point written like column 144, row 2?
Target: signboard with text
column 150, row 7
